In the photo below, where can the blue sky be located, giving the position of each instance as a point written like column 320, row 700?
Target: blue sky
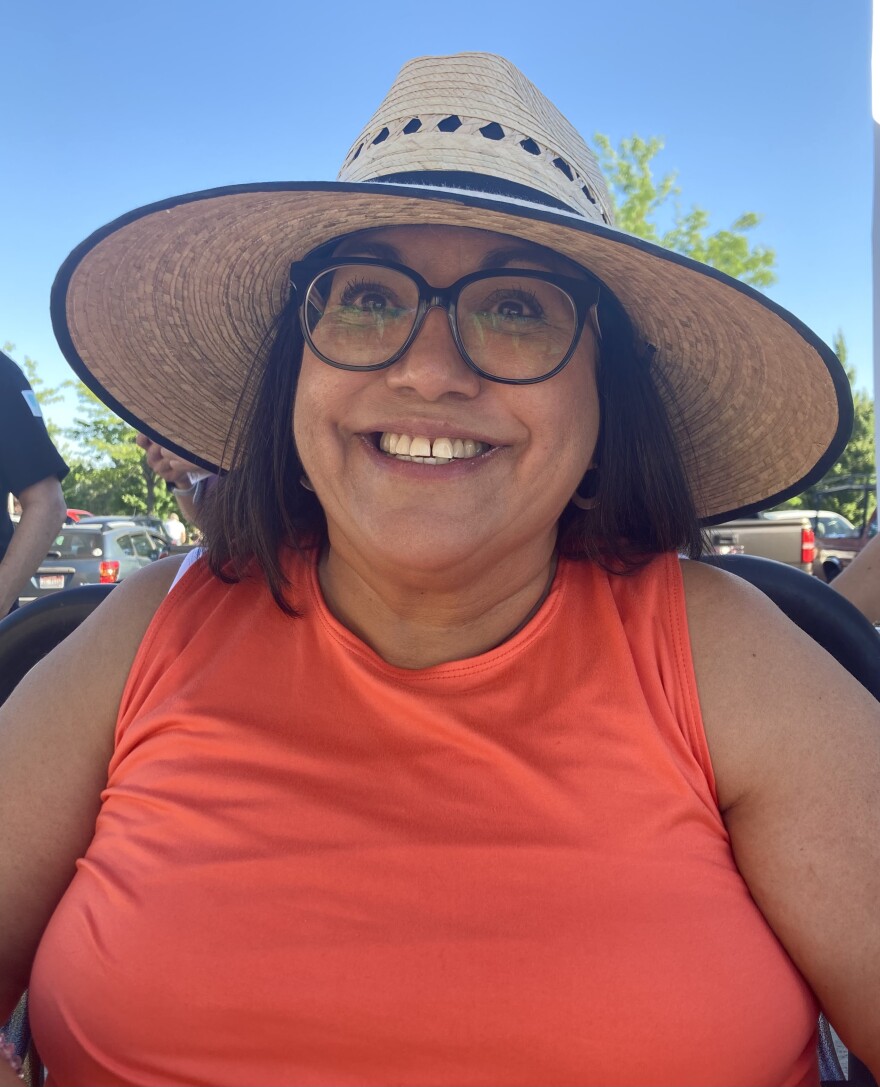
column 764, row 105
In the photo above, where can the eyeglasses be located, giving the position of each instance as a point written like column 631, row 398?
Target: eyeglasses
column 511, row 325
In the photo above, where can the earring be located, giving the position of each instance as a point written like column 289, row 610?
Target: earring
column 585, row 495
column 304, row 481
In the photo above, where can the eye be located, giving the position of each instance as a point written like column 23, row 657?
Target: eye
column 515, row 307
column 514, row 304
column 369, row 297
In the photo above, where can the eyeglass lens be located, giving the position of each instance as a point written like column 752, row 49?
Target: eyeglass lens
column 511, row 326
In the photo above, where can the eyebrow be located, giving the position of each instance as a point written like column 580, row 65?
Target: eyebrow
column 379, row 250
column 503, row 256
column 515, row 254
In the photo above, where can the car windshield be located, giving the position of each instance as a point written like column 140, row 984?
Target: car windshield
column 836, row 525
column 76, row 545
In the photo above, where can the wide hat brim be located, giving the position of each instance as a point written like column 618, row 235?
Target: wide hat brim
column 162, row 314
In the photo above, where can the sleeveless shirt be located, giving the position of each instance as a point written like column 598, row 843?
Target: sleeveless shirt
column 312, row 867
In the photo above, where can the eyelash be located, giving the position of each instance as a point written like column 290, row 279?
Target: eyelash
column 360, row 286
column 527, row 297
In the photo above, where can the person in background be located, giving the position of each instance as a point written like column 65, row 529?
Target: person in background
column 860, row 581
column 31, row 468
column 175, row 529
column 189, row 482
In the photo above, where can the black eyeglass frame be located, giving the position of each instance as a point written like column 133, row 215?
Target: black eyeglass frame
column 583, row 293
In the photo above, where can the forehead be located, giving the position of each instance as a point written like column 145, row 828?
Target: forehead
column 452, row 251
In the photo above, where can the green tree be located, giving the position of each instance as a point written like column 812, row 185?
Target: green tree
column 108, row 470
column 642, row 203
column 856, row 465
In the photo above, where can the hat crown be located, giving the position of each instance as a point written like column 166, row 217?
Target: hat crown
column 477, row 114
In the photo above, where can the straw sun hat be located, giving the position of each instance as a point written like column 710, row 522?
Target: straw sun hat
column 162, row 312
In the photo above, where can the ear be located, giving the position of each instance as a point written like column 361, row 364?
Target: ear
column 585, row 495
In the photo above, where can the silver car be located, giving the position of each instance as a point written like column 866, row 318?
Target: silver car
column 94, row 554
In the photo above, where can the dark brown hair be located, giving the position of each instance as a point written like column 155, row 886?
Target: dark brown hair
column 643, row 504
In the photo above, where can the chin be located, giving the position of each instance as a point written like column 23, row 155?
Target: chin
column 426, row 549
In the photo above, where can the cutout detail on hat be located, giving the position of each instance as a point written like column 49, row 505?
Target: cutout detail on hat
column 572, row 182
column 492, row 131
column 562, row 165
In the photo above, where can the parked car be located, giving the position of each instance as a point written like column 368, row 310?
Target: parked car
column 154, row 524
column 788, row 539
column 103, row 551
column 75, row 515
column 838, row 541
column 839, row 551
column 724, row 542
column 825, row 522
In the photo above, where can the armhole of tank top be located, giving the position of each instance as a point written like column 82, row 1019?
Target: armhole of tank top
column 191, row 559
column 168, row 604
column 680, row 640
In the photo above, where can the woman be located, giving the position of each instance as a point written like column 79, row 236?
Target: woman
column 441, row 767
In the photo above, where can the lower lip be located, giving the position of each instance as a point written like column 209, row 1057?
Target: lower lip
column 411, row 469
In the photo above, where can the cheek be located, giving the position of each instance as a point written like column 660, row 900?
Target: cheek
column 308, row 398
column 323, row 406
column 316, row 391
column 578, row 411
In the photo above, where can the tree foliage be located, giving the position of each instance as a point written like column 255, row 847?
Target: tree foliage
column 108, row 470
column 856, row 465
column 642, row 204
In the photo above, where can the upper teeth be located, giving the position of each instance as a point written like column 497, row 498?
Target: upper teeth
column 440, row 451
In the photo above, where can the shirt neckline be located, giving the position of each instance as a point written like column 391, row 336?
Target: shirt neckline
column 490, row 661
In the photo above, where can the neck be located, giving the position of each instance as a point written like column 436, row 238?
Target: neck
column 433, row 620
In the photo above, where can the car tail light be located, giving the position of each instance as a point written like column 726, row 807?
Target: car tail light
column 108, row 571
column 808, row 546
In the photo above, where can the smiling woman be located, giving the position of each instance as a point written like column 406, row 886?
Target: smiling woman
column 440, row 764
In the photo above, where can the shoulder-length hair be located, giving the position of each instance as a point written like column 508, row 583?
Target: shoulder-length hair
column 643, row 505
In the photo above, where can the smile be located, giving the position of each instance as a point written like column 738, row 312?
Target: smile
column 424, row 451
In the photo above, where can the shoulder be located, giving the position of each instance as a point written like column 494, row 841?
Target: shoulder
column 137, row 598
column 113, row 632
column 727, row 612
column 66, row 685
column 11, row 375
column 18, row 403
column 759, row 679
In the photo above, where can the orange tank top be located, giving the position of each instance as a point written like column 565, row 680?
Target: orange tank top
column 311, row 867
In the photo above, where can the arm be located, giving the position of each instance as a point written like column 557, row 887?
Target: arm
column 42, row 513
column 182, row 474
column 56, row 738
column 795, row 745
column 860, row 581
column 188, row 500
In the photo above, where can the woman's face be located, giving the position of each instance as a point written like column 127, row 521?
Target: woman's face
column 533, row 442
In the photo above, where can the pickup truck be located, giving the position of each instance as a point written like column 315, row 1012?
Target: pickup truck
column 791, row 540
column 838, row 551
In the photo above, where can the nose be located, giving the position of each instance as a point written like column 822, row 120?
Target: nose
column 433, row 367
